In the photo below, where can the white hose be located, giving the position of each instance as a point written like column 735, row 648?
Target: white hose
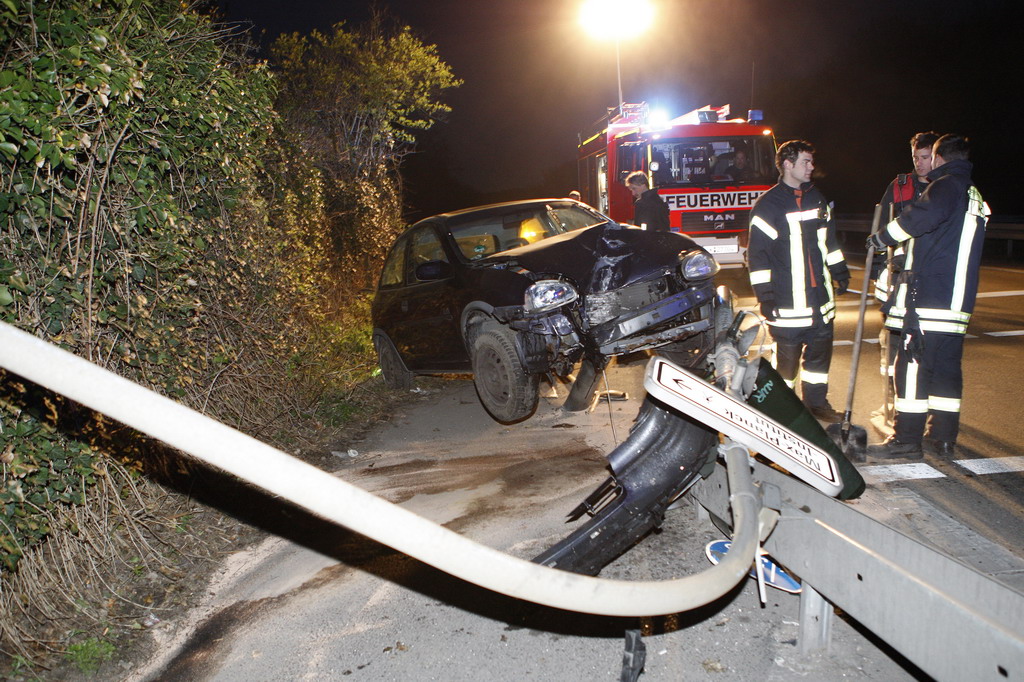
column 345, row 504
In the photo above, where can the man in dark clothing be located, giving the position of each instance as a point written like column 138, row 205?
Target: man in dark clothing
column 649, row 210
column 933, row 301
column 740, row 170
column 888, row 264
column 901, row 192
column 794, row 259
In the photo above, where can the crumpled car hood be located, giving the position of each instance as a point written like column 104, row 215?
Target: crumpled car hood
column 600, row 258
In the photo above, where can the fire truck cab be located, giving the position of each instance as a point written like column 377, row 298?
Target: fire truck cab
column 709, row 169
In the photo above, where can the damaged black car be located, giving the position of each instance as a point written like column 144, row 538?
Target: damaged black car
column 517, row 291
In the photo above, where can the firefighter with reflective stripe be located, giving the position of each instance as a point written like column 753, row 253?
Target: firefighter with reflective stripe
column 794, row 259
column 933, row 301
column 901, row 192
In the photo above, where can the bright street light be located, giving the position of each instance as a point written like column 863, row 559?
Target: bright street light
column 616, row 19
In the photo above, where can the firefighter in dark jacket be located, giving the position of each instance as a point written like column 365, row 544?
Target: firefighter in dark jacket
column 649, row 210
column 794, row 260
column 901, row 192
column 944, row 231
column 888, row 264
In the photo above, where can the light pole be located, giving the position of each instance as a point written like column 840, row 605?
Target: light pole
column 616, row 19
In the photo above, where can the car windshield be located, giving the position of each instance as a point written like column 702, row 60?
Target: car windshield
column 478, row 236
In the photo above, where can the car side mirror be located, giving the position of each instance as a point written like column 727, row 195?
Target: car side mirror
column 433, row 270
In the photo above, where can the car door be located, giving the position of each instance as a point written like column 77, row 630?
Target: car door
column 389, row 308
column 429, row 315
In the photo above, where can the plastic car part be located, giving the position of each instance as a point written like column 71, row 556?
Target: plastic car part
column 582, row 392
column 663, row 454
column 506, row 390
column 391, row 365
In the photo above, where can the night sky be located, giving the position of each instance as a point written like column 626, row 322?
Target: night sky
column 855, row 78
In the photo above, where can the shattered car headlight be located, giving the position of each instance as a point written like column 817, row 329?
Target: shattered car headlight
column 549, row 294
column 698, row 265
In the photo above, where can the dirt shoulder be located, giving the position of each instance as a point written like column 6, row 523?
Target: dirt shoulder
column 215, row 518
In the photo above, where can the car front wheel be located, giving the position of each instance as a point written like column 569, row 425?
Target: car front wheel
column 391, row 366
column 505, row 389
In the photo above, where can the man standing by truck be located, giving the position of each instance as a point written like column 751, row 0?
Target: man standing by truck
column 794, row 259
column 944, row 231
column 649, row 210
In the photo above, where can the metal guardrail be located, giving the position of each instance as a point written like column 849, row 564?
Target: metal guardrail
column 1010, row 228
column 331, row 498
column 954, row 622
column 949, row 619
column 999, row 227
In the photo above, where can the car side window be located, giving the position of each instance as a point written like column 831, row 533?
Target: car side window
column 424, row 247
column 394, row 265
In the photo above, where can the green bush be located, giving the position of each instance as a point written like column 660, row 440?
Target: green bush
column 159, row 218
column 126, row 133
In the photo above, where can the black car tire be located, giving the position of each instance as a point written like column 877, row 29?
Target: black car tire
column 391, row 366
column 505, row 389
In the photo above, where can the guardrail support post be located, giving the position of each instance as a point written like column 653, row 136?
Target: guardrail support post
column 700, row 515
column 815, row 621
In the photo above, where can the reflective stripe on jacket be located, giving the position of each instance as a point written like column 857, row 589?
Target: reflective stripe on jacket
column 794, row 255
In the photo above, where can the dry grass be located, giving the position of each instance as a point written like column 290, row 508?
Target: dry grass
column 143, row 548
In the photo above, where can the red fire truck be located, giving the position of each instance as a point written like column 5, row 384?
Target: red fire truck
column 709, row 168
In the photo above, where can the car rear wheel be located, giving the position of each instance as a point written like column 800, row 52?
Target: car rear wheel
column 391, row 365
column 505, row 389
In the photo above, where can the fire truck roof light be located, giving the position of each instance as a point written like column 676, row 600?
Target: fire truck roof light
column 755, row 115
column 658, row 118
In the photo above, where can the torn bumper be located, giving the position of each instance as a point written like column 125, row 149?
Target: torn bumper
column 669, row 319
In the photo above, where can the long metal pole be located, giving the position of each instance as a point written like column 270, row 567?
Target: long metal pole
column 618, row 70
column 341, row 502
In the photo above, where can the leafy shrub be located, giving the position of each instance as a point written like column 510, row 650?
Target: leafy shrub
column 158, row 218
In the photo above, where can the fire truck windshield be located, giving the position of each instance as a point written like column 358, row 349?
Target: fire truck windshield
column 714, row 160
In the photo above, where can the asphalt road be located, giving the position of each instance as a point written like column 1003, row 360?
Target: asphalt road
column 318, row 602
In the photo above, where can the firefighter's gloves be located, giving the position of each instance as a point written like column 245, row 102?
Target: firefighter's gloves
column 841, row 286
column 912, row 337
column 875, row 243
column 878, row 264
column 768, row 310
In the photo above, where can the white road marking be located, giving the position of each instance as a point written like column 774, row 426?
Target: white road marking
column 1018, row 332
column 981, row 294
column 999, row 294
column 886, row 473
column 847, row 342
column 993, row 465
